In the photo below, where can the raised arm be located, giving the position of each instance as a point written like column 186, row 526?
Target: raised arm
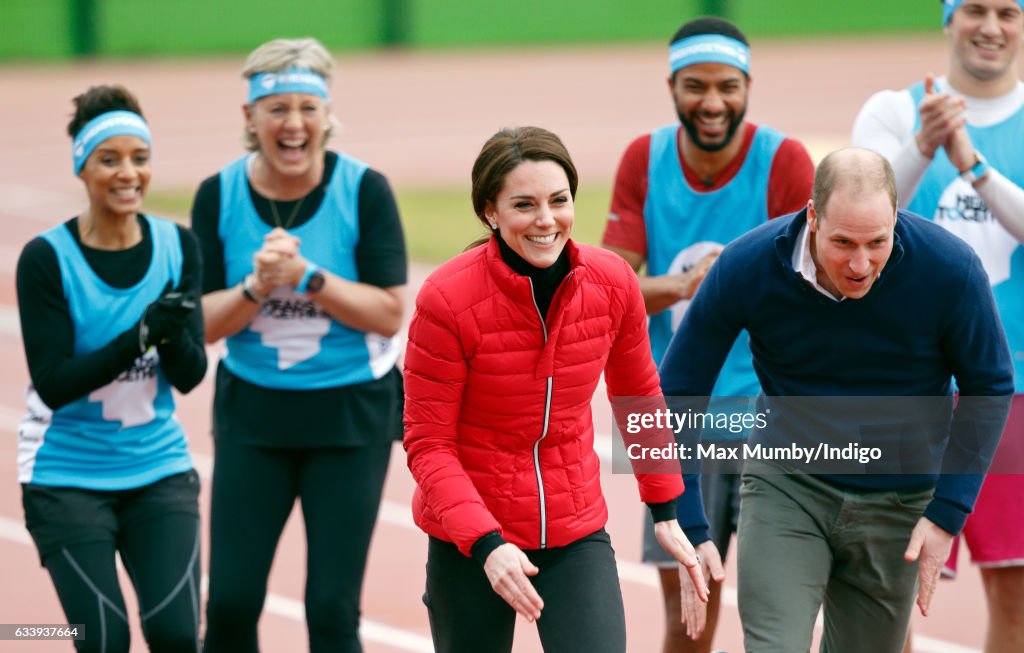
column 885, row 124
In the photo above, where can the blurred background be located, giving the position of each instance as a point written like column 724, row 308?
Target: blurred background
column 59, row 29
column 439, row 76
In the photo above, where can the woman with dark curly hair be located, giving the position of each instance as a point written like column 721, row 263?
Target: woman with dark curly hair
column 110, row 318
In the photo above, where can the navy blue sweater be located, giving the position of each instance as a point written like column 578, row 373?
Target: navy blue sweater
column 928, row 318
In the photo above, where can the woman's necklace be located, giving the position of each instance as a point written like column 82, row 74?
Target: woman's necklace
column 291, row 217
column 273, row 205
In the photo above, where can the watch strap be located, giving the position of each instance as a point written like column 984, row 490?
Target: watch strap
column 976, row 171
column 250, row 293
column 311, row 269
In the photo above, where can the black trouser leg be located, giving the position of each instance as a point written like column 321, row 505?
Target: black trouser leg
column 254, row 490
column 579, row 584
column 159, row 545
column 466, row 615
column 583, row 610
column 86, row 581
column 340, row 490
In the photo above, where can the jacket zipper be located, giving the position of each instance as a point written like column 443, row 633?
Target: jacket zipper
column 543, row 434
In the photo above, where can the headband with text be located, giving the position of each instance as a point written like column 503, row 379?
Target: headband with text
column 104, row 126
column 708, row 48
column 949, row 6
column 292, row 80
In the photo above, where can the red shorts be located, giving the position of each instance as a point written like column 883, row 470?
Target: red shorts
column 994, row 532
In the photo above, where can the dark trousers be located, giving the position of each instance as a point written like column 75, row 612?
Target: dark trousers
column 155, row 529
column 254, row 489
column 579, row 584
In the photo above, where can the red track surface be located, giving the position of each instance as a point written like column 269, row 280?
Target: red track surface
column 420, row 118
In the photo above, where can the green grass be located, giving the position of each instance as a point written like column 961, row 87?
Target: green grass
column 438, row 223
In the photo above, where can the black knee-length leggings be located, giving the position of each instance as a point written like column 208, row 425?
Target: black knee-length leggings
column 155, row 529
column 254, row 490
column 579, row 583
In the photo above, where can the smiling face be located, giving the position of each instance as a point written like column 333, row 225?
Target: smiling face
column 290, row 130
column 711, row 100
column 534, row 211
column 116, row 176
column 851, row 241
column 986, row 37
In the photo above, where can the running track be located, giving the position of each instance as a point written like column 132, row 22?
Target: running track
column 420, row 118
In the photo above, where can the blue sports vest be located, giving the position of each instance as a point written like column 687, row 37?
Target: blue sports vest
column 123, row 435
column 953, row 203
column 292, row 344
column 684, row 224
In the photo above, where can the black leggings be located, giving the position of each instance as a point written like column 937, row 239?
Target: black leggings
column 254, row 489
column 156, row 531
column 579, row 584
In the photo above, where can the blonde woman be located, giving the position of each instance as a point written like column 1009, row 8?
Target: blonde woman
column 305, row 269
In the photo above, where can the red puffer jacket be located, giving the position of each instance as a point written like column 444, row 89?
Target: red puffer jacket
column 499, row 432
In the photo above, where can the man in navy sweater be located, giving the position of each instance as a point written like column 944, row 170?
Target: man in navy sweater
column 848, row 298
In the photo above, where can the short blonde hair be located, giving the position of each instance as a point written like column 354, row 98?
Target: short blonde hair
column 281, row 54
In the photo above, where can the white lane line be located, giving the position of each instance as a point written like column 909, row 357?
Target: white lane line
column 10, row 325
column 13, row 530
column 282, row 606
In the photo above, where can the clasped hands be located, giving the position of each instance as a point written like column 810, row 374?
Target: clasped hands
column 278, row 262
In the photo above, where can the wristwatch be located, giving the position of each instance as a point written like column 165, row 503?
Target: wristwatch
column 976, row 171
column 249, row 291
column 312, row 280
column 315, row 283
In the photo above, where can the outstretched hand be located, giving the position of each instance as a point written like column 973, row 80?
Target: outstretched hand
column 693, row 588
column 508, row 570
column 692, row 278
column 929, row 546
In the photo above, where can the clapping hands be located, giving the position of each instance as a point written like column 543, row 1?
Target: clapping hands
column 164, row 318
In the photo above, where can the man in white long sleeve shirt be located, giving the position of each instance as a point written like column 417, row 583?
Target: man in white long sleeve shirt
column 956, row 143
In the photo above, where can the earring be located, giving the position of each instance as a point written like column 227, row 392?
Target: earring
column 494, row 226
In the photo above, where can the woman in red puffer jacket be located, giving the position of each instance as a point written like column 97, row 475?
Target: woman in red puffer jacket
column 505, row 351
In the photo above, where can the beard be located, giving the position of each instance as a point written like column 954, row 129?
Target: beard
column 735, row 120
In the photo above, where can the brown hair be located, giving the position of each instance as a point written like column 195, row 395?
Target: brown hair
column 857, row 169
column 99, row 100
column 503, row 152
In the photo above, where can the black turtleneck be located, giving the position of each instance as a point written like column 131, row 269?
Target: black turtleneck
column 545, row 280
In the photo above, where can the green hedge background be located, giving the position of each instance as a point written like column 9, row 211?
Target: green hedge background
column 59, row 29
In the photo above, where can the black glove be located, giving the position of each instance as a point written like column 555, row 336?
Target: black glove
column 167, row 316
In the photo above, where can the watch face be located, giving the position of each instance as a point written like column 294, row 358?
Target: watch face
column 316, row 282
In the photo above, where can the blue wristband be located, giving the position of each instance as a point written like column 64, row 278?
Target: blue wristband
column 311, row 269
column 976, row 171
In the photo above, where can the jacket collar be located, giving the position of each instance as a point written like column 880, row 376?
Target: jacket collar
column 520, row 290
column 519, row 287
